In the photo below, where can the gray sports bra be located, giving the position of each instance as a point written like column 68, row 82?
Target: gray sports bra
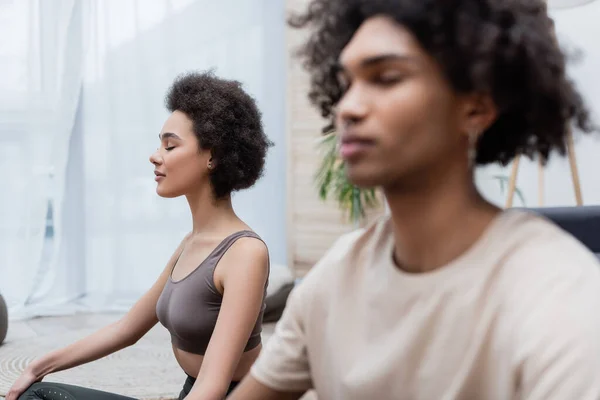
column 189, row 308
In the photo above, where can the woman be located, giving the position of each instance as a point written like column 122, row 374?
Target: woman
column 448, row 297
column 211, row 294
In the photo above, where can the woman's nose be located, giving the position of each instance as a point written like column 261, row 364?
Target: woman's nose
column 155, row 158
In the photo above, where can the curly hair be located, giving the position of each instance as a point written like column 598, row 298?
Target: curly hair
column 227, row 122
column 506, row 49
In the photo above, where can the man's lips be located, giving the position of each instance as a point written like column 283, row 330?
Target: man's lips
column 352, row 146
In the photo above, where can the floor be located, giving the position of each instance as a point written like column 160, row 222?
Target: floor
column 50, row 331
column 38, row 328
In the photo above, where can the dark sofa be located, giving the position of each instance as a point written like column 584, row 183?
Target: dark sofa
column 582, row 222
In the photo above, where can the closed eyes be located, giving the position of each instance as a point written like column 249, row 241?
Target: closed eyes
column 384, row 80
column 387, row 79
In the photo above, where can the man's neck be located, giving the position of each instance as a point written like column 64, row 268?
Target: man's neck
column 434, row 226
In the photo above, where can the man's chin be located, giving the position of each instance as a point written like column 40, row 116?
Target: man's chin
column 363, row 179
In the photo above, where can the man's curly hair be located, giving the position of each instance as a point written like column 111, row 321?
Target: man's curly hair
column 504, row 48
column 227, row 122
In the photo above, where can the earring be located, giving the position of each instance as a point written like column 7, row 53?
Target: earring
column 472, row 150
column 210, row 165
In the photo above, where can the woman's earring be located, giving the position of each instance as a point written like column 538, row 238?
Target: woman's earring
column 210, row 164
column 472, row 151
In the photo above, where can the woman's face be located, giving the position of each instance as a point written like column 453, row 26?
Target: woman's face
column 180, row 167
column 399, row 121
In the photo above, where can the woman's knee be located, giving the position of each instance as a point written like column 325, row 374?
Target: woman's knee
column 46, row 391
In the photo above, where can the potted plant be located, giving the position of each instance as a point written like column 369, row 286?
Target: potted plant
column 503, row 181
column 332, row 183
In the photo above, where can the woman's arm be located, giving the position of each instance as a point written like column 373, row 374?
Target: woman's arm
column 114, row 337
column 244, row 277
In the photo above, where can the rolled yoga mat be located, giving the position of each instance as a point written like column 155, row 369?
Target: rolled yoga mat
column 3, row 319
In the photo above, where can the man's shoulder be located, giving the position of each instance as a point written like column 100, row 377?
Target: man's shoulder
column 549, row 276
column 545, row 251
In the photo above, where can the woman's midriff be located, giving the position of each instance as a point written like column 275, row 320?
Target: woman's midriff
column 191, row 363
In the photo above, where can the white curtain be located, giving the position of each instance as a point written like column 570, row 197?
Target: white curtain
column 40, row 81
column 113, row 234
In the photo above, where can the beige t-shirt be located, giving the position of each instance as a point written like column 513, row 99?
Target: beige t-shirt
column 515, row 317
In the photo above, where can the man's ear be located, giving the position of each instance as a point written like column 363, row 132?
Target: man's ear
column 478, row 113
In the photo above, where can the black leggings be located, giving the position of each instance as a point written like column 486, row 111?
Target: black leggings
column 189, row 382
column 61, row 391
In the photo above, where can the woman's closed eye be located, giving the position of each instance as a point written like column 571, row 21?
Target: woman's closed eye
column 169, row 148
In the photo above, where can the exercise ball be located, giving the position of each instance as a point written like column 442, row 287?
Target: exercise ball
column 3, row 319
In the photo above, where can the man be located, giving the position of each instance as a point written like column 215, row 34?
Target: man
column 448, row 297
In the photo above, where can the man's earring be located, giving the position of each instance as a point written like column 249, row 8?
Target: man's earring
column 472, row 151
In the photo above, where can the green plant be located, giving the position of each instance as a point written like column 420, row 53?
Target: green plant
column 503, row 180
column 332, row 182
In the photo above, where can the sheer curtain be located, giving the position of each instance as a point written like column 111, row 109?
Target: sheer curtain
column 40, row 81
column 113, row 234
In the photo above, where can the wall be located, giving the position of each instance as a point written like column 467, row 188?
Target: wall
column 577, row 29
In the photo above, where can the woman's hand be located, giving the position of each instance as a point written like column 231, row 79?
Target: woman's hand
column 26, row 379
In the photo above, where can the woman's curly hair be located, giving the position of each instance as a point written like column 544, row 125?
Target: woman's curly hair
column 504, row 48
column 227, row 122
